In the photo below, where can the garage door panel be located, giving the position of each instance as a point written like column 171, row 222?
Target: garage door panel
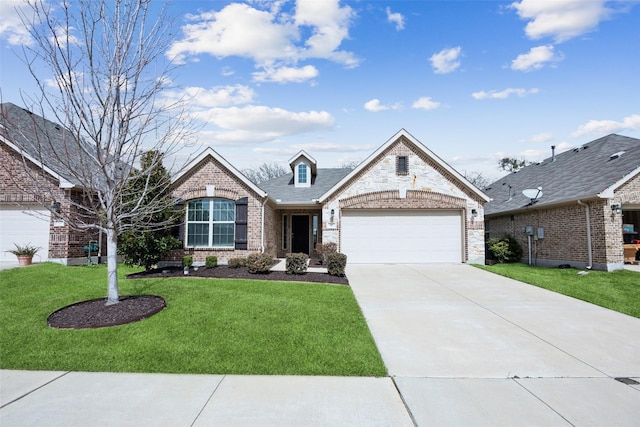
column 389, row 236
column 24, row 226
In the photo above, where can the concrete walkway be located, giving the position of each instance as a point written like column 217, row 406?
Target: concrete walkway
column 463, row 347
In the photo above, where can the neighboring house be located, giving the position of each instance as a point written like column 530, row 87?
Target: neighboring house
column 587, row 195
column 28, row 169
column 403, row 204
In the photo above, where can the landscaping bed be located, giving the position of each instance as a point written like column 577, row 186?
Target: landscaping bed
column 225, row 272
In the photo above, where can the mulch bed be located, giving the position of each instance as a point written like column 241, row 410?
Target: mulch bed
column 96, row 314
column 224, row 272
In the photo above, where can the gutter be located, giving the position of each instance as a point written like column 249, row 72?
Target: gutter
column 589, row 250
column 264, row 202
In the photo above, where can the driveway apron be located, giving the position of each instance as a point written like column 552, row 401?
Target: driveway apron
column 502, row 351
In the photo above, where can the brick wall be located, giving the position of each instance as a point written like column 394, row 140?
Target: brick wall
column 193, row 185
column 565, row 234
column 426, row 186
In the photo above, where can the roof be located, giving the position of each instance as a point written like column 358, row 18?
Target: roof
column 595, row 169
column 419, row 146
column 43, row 142
column 210, row 152
column 283, row 190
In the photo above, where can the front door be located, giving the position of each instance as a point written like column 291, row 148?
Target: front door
column 300, row 234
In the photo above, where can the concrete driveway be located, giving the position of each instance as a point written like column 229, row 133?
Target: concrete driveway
column 494, row 351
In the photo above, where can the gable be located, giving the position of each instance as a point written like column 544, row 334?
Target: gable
column 404, row 164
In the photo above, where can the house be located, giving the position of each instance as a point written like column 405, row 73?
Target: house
column 403, row 204
column 30, row 147
column 580, row 207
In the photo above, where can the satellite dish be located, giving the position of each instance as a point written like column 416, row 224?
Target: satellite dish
column 533, row 193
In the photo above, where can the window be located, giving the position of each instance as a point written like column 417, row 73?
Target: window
column 315, row 231
column 402, row 165
column 302, row 173
column 211, row 223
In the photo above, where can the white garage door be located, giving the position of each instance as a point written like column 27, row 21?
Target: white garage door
column 401, row 236
column 16, row 225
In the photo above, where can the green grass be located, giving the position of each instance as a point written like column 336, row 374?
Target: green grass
column 617, row 290
column 211, row 326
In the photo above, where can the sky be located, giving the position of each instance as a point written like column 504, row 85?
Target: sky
column 474, row 81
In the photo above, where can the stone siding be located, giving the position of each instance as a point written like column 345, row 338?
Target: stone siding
column 426, row 186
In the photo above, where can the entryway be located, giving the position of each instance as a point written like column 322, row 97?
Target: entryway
column 300, row 234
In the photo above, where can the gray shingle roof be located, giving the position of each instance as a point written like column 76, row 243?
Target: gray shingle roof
column 283, row 190
column 42, row 140
column 580, row 173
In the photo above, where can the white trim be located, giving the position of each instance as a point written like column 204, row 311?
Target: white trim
column 421, row 147
column 608, row 193
column 210, row 152
column 311, row 161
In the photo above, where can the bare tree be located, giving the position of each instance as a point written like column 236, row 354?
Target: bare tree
column 104, row 71
column 264, row 172
column 349, row 164
column 477, row 178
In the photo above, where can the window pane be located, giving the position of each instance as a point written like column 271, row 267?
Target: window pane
column 224, row 210
column 198, row 235
column 199, row 210
column 302, row 174
column 223, row 235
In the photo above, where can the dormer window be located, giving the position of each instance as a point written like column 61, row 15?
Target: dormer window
column 302, row 173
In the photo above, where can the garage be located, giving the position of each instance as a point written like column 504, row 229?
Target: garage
column 16, row 225
column 402, row 236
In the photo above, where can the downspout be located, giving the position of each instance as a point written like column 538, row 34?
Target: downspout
column 589, row 250
column 264, row 202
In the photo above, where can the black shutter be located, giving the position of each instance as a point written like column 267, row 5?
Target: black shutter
column 242, row 217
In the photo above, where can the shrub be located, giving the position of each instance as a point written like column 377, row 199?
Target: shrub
column 236, row 262
column 297, row 263
column 505, row 249
column 187, row 261
column 326, row 250
column 259, row 263
column 211, row 261
column 337, row 264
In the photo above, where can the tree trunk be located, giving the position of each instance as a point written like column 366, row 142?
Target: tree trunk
column 112, row 267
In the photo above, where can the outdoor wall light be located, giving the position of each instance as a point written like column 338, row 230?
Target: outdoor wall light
column 616, row 208
column 474, row 213
column 55, row 207
column 333, row 211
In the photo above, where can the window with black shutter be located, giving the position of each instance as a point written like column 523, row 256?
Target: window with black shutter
column 242, row 220
column 402, row 165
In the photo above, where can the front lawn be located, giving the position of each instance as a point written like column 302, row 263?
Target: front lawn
column 213, row 326
column 617, row 290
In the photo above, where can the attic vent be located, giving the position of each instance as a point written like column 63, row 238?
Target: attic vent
column 616, row 155
column 577, row 150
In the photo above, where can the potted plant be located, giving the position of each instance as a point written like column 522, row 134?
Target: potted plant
column 24, row 253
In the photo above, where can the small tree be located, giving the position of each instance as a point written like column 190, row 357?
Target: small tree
column 146, row 246
column 511, row 164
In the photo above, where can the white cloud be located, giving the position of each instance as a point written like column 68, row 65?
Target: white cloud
column 561, row 19
column 446, row 61
column 268, row 121
column 374, row 105
column 535, row 59
column 395, row 18
column 425, row 103
column 218, row 96
column 504, row 94
column 286, row 74
column 272, row 38
column 540, row 138
column 602, row 127
column 11, row 27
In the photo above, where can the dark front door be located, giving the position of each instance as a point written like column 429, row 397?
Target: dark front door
column 300, row 234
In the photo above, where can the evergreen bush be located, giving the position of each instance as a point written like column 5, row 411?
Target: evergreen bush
column 259, row 263
column 211, row 261
column 297, row 263
column 337, row 263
